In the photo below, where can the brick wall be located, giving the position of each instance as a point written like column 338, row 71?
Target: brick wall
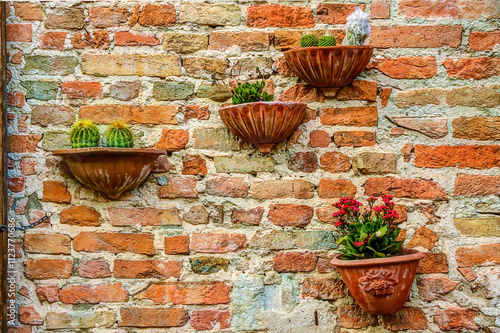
column 220, row 237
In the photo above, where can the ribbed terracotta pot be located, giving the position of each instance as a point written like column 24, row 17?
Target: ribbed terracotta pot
column 263, row 124
column 332, row 66
column 380, row 286
column 112, row 171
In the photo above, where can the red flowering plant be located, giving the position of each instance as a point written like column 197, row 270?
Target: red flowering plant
column 367, row 232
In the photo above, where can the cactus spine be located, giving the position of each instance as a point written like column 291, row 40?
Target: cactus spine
column 357, row 28
column 119, row 135
column 84, row 133
column 309, row 40
column 327, row 40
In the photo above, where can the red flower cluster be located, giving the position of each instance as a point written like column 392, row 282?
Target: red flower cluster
column 349, row 209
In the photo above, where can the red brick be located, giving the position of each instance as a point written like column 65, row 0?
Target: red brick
column 406, row 151
column 484, row 40
column 456, row 319
column 354, row 138
column 466, row 156
column 23, row 143
column 263, row 16
column 81, row 216
column 142, row 114
column 199, row 112
column 454, row 9
column 19, row 32
column 352, row 316
column 47, row 243
column 405, row 319
column 404, row 188
column 435, row 288
column 194, row 165
column 433, row 263
column 102, row 17
column 234, row 187
column 153, row 317
column 93, row 294
column 477, row 128
column 247, row 41
column 327, row 289
column 358, row 90
column 366, row 116
column 290, row 215
column 247, row 217
column 319, row 138
column 134, row 18
column 385, row 95
column 29, row 316
column 19, row 329
column 52, row 40
column 476, row 185
column 303, row 162
column 28, row 11
column 467, row 273
column 97, row 39
column 405, row 36
column 162, row 165
column 217, row 243
column 423, row 237
column 203, row 320
column 294, row 262
column 336, row 188
column 325, row 266
column 336, row 13
column 54, row 191
column 173, row 140
column 334, row 162
column 144, row 269
column 47, row 293
column 472, row 68
column 48, row 268
column 15, row 98
column 81, row 89
column 178, row 187
column 380, row 9
column 114, row 242
column 16, row 184
column 157, row 15
column 406, row 67
column 478, row 255
column 148, row 216
column 177, row 245
column 17, row 58
column 303, row 93
column 188, row 293
column 49, row 114
column 94, row 269
column 127, row 38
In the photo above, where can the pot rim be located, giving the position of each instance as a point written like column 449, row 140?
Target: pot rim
column 407, row 256
column 317, row 48
column 263, row 103
column 108, row 150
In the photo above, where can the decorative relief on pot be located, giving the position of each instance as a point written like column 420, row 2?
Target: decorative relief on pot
column 379, row 282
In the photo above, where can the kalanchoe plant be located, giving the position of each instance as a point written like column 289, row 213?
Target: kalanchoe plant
column 367, row 232
column 251, row 92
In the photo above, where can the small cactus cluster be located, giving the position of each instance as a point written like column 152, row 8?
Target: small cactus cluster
column 357, row 28
column 84, row 133
column 310, row 40
column 251, row 92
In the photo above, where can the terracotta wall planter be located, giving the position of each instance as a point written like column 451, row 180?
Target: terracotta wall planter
column 333, row 66
column 263, row 124
column 380, row 286
column 112, row 171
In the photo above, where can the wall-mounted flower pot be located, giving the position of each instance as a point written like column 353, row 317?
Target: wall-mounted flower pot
column 263, row 124
column 382, row 285
column 112, row 171
column 333, row 66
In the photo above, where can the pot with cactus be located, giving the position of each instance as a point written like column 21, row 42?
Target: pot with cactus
column 255, row 118
column 378, row 271
column 321, row 63
column 113, row 168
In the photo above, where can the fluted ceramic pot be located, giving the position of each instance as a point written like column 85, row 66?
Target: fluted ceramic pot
column 332, row 66
column 112, row 171
column 263, row 124
column 382, row 285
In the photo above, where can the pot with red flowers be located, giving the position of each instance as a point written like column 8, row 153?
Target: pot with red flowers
column 378, row 271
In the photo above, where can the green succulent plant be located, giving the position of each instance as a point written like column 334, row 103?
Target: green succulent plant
column 327, row 40
column 309, row 40
column 84, row 133
column 251, row 92
column 119, row 135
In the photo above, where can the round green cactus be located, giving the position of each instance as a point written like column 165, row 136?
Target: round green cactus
column 119, row 135
column 309, row 40
column 84, row 133
column 327, row 40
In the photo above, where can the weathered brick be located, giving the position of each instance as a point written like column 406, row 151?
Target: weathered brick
column 94, row 269
column 47, row 243
column 247, row 217
column 289, row 188
column 435, row 288
column 207, row 319
column 188, row 293
column 52, row 40
column 334, row 162
column 196, row 215
column 16, row 184
column 423, row 237
column 484, row 40
column 124, row 91
column 352, row 316
column 104, row 17
column 354, row 138
column 274, row 15
column 28, row 166
column 93, row 294
column 79, row 319
column 319, row 138
column 424, row 96
column 235, row 187
column 290, row 215
column 456, row 319
column 303, row 93
column 198, row 66
column 162, row 165
column 153, row 317
column 454, row 9
column 472, row 68
column 23, row 143
column 19, row 32
column 217, row 243
column 405, row 319
column 127, row 38
column 216, row 92
column 179, row 187
column 243, row 164
column 432, row 126
column 148, row 216
column 181, row 42
column 55, row 140
column 214, row 138
column 28, row 11
column 160, row 65
column 212, row 14
column 177, row 245
column 477, row 96
column 294, row 262
column 29, row 316
column 157, row 15
column 433, row 263
column 82, row 89
column 478, row 255
column 97, row 39
column 303, row 162
column 406, row 67
column 172, row 90
column 353, row 116
column 15, row 98
column 476, row 128
column 478, row 226
column 54, row 191
column 336, row 188
column 142, row 114
column 80, row 216
column 428, row 36
column 42, row 90
column 327, row 289
column 404, row 188
column 114, row 242
column 49, row 65
column 247, row 41
column 48, row 268
column 335, row 13
column 371, row 163
column 380, row 9
column 47, row 293
column 466, row 156
column 143, row 269
column 65, row 18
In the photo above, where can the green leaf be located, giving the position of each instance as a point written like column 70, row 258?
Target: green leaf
column 381, row 232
